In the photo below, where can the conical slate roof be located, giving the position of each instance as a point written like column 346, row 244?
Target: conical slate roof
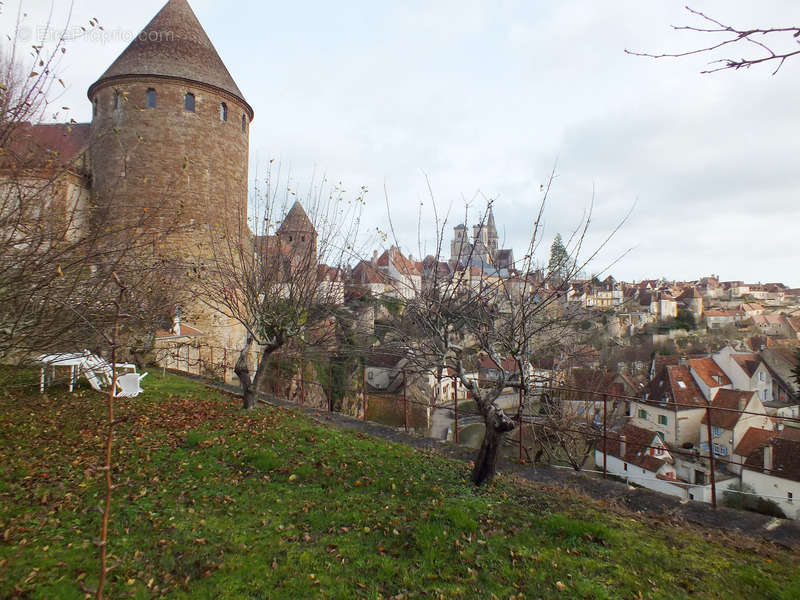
column 296, row 220
column 173, row 44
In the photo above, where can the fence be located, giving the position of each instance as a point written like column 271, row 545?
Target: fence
column 561, row 422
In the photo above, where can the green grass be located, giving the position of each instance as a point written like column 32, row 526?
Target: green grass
column 216, row 503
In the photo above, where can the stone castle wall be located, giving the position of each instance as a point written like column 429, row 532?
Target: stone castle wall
column 181, row 168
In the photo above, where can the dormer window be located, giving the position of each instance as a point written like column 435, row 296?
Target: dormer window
column 151, row 98
column 188, row 102
column 223, row 112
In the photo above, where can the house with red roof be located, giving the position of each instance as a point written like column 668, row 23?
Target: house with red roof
column 708, row 376
column 773, row 471
column 746, row 371
column 672, row 407
column 732, row 414
column 641, row 457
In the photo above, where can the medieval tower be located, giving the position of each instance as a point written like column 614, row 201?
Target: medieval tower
column 170, row 133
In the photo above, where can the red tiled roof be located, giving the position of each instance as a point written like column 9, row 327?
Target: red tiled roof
column 720, row 313
column 726, row 406
column 785, row 459
column 679, row 387
column 47, row 145
column 364, row 273
column 707, row 370
column 400, row 262
column 638, row 442
column 508, row 364
column 748, row 362
column 754, row 438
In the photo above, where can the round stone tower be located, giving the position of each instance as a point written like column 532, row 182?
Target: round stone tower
column 170, row 134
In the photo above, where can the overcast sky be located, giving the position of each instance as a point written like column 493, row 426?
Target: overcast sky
column 485, row 97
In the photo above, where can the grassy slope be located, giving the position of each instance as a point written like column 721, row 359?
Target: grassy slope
column 217, row 503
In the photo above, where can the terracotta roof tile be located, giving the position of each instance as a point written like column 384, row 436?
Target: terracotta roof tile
column 46, row 145
column 709, row 372
column 677, row 385
column 785, row 459
column 748, row 362
column 638, row 451
column 726, row 407
column 754, row 438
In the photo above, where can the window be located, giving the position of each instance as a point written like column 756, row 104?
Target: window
column 244, row 122
column 642, row 413
column 716, row 432
column 789, row 496
column 762, row 376
column 663, row 420
column 223, row 112
column 188, row 102
column 624, row 466
column 117, row 100
column 94, row 107
column 151, row 98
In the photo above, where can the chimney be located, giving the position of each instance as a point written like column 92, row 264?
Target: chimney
column 622, row 446
column 768, row 458
column 742, row 403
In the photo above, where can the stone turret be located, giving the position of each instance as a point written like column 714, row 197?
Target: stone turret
column 298, row 232
column 170, row 133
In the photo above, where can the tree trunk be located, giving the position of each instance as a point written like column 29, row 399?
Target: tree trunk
column 243, row 373
column 497, row 426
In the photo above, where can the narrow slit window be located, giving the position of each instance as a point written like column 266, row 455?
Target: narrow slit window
column 151, row 98
column 244, row 122
column 94, row 107
column 223, row 112
column 117, row 100
column 188, row 102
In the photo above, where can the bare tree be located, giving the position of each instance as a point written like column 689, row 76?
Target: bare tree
column 773, row 45
column 509, row 315
column 280, row 275
column 57, row 250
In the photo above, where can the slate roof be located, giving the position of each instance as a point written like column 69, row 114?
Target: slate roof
column 175, row 45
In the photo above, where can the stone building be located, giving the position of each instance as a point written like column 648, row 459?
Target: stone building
column 482, row 248
column 170, row 132
column 169, row 139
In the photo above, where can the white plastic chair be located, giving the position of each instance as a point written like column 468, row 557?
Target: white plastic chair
column 129, row 385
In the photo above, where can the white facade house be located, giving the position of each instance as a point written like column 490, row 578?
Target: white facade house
column 746, row 371
column 733, row 413
column 773, row 471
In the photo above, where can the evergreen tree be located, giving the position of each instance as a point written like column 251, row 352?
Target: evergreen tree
column 559, row 259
